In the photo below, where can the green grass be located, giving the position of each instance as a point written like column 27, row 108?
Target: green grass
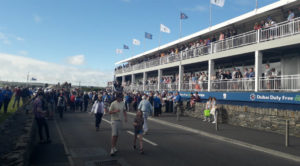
column 10, row 109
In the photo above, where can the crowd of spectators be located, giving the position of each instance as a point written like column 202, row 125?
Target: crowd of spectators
column 220, row 36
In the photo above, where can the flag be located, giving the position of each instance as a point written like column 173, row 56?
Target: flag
column 219, row 3
column 136, row 42
column 164, row 28
column 148, row 35
column 125, row 47
column 33, row 79
column 119, row 51
column 183, row 16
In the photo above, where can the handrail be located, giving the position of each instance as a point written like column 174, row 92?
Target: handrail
column 209, row 49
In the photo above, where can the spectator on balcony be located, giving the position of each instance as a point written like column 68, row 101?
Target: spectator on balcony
column 251, row 73
column 257, row 26
column 291, row 15
column 268, row 75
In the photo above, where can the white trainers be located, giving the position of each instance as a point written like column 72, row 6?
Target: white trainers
column 115, row 150
column 112, row 152
column 213, row 122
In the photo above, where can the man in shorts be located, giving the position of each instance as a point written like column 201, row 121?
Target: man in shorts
column 118, row 113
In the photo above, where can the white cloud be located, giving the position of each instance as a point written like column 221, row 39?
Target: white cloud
column 19, row 38
column 37, row 18
column 15, row 68
column 198, row 8
column 23, row 52
column 4, row 39
column 76, row 60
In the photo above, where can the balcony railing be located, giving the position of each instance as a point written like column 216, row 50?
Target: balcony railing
column 169, row 86
column 153, row 87
column 191, row 87
column 287, row 83
column 246, row 84
column 279, row 30
column 280, row 83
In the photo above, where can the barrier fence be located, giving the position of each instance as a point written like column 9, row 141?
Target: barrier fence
column 275, row 31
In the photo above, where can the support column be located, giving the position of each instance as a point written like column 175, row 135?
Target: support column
column 180, row 80
column 211, row 71
column 258, row 68
column 144, row 80
column 132, row 81
column 123, row 80
column 158, row 79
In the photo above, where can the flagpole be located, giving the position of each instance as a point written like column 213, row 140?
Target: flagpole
column 144, row 43
column 159, row 39
column 256, row 5
column 210, row 14
column 180, row 28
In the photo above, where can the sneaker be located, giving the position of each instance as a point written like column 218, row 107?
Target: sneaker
column 112, row 152
column 204, row 120
column 115, row 150
column 134, row 147
column 213, row 122
column 142, row 151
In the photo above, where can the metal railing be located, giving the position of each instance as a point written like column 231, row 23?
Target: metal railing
column 191, row 87
column 169, row 86
column 280, row 83
column 279, row 30
column 151, row 87
column 137, row 88
column 245, row 84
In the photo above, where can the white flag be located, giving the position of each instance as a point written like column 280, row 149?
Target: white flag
column 165, row 29
column 218, row 2
column 136, row 42
column 119, row 51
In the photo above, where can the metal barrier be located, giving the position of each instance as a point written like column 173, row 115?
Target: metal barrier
column 169, row 86
column 282, row 29
column 279, row 30
column 153, row 87
column 195, row 87
column 233, row 85
column 280, row 83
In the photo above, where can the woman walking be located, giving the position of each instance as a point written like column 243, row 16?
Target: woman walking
column 138, row 130
column 98, row 110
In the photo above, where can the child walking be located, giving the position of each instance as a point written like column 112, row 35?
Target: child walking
column 138, row 130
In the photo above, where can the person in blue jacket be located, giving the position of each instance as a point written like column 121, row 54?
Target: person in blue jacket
column 157, row 104
column 1, row 99
column 7, row 94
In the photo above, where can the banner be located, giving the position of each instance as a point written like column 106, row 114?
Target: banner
column 164, row 28
column 183, row 16
column 148, row 35
column 119, row 51
column 219, row 3
column 136, row 42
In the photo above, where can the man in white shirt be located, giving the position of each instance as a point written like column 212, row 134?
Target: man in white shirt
column 117, row 112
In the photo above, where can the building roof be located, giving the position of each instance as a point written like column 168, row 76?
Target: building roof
column 213, row 28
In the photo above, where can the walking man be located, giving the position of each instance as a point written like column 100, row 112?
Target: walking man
column 117, row 112
column 147, row 110
column 61, row 104
column 7, row 94
column 40, row 114
column 98, row 110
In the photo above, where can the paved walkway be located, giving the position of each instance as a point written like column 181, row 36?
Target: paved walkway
column 256, row 137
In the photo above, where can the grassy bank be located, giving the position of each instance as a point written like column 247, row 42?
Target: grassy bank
column 10, row 110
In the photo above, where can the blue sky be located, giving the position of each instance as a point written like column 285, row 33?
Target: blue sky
column 54, row 31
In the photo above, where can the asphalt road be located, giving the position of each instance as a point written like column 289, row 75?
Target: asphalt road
column 166, row 146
